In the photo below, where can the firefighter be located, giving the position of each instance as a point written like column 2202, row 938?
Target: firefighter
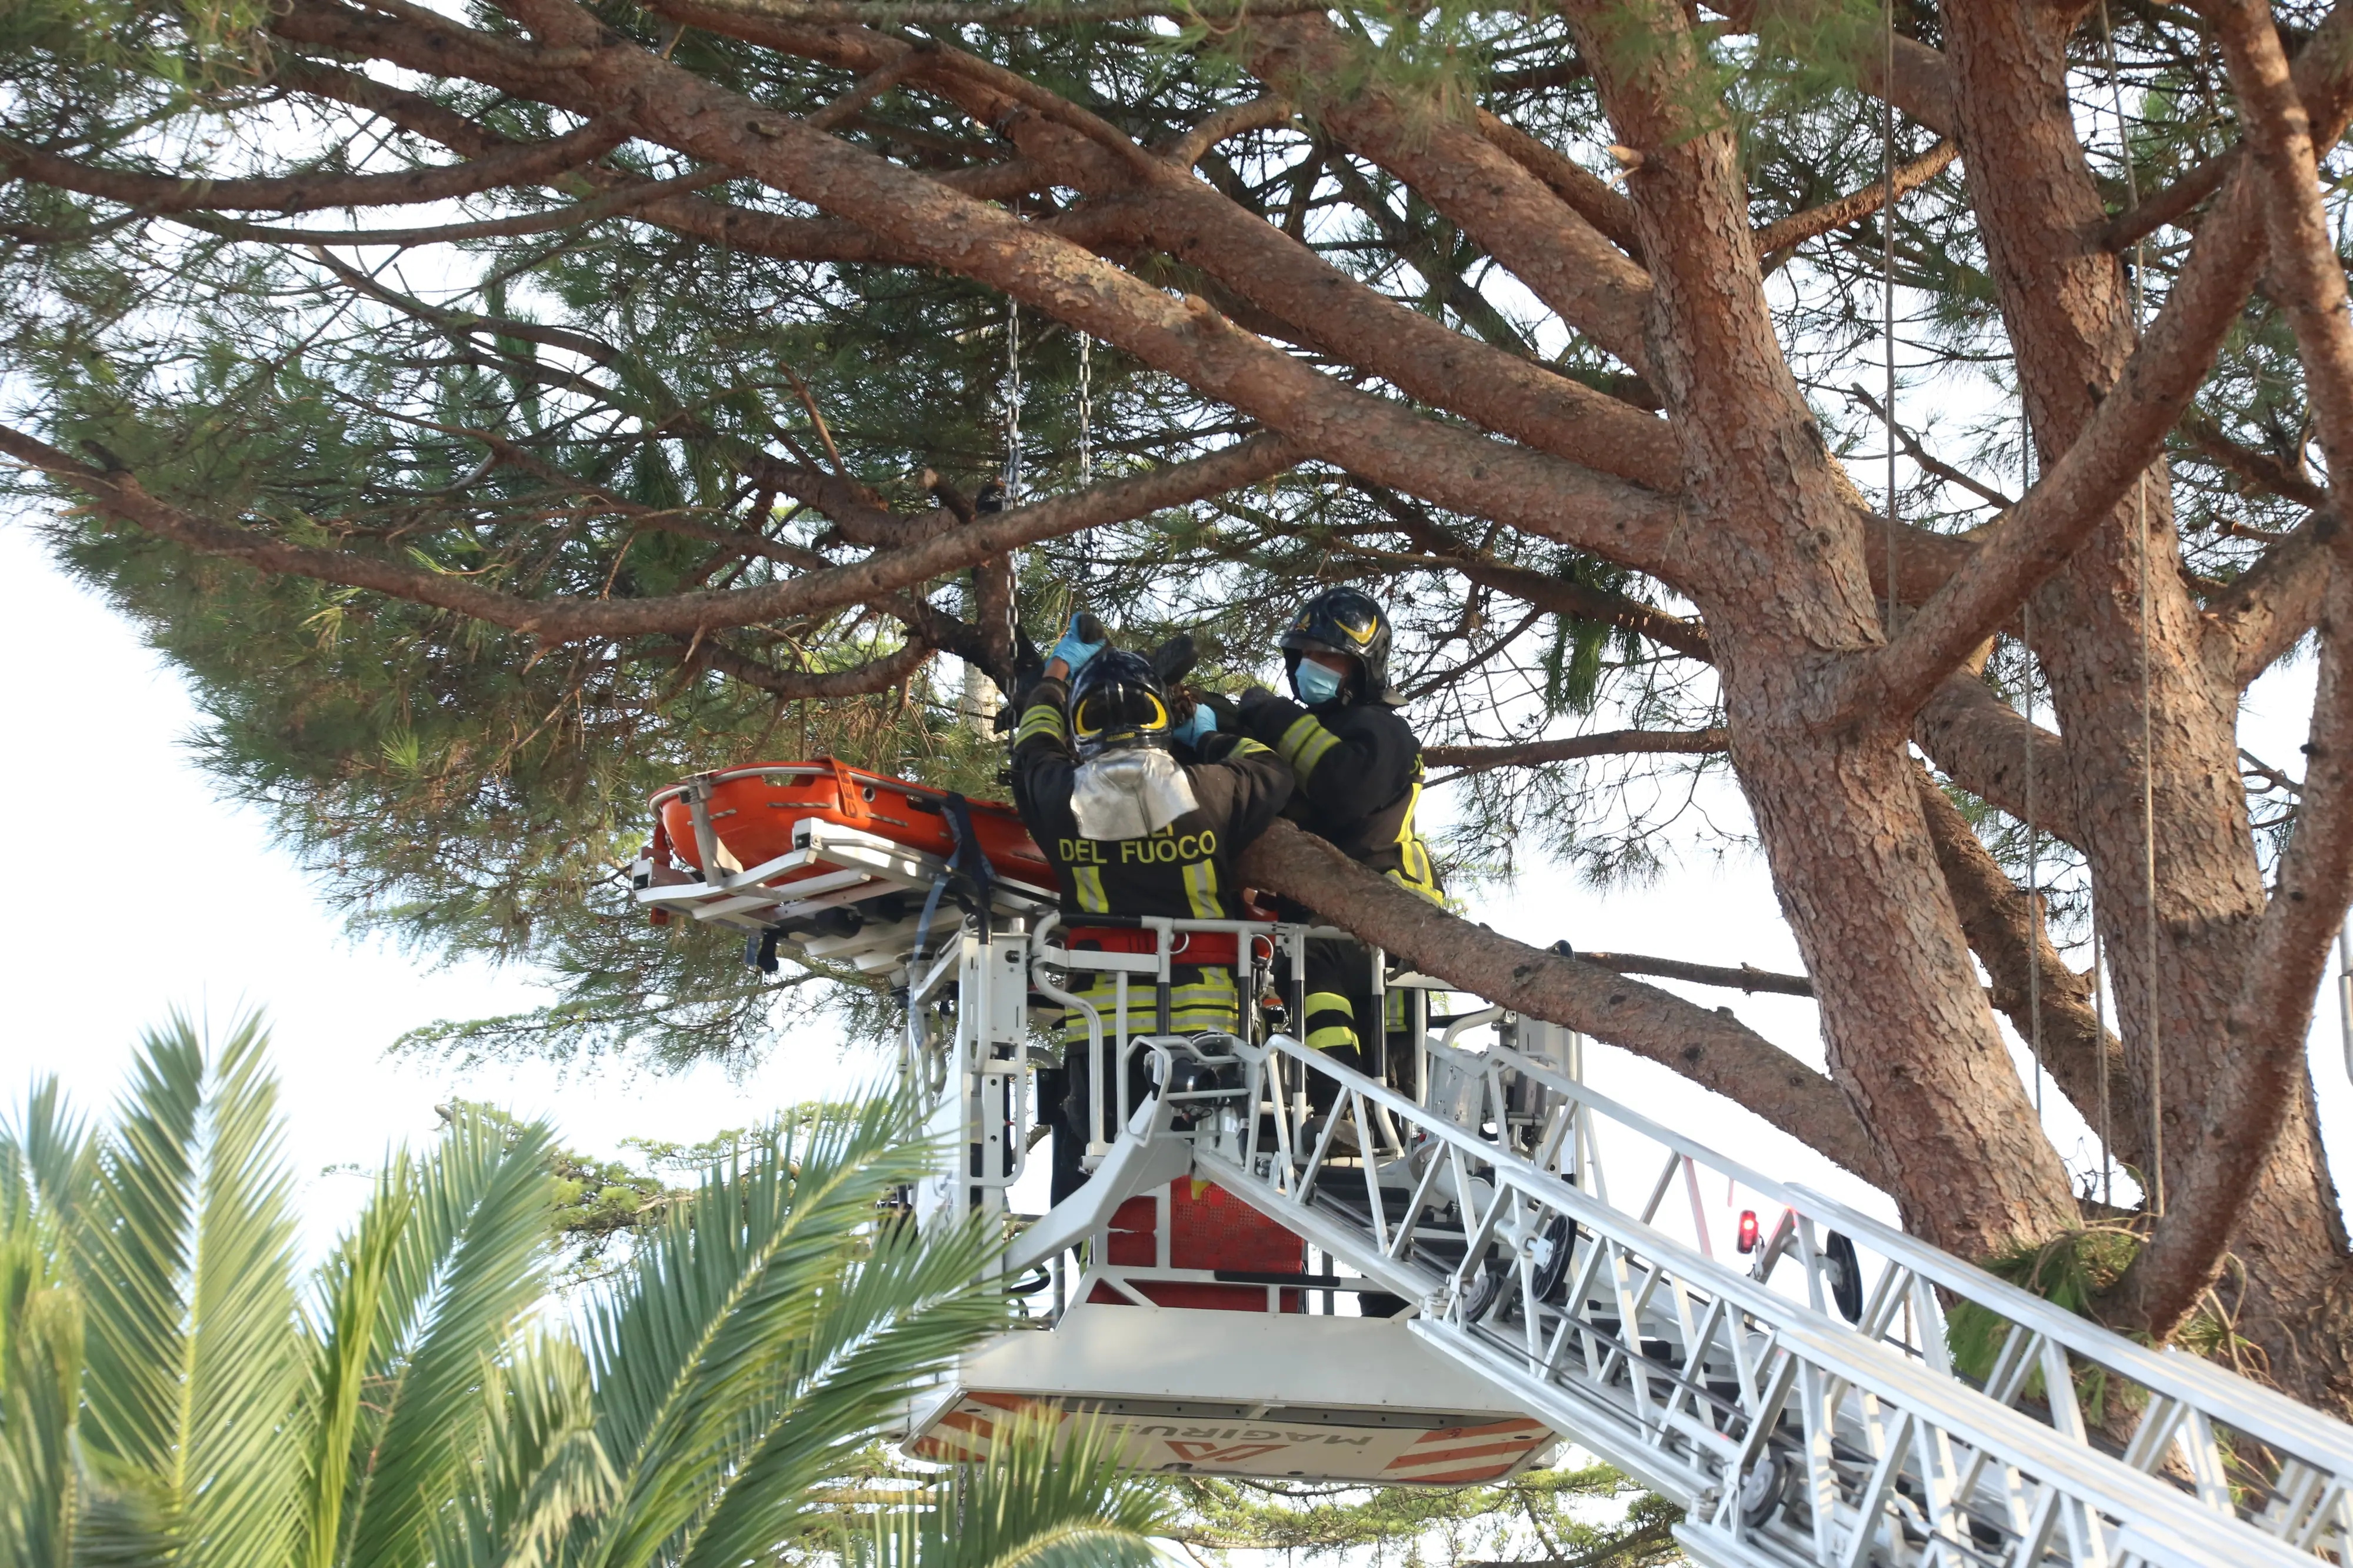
column 1358, row 766
column 1132, row 827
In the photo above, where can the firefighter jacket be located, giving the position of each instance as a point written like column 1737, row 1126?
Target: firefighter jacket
column 1360, row 769
column 1185, row 870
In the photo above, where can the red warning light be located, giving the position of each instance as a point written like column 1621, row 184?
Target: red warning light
column 1747, row 1230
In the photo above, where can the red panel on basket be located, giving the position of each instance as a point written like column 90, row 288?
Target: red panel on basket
column 1218, row 1230
column 1215, row 1230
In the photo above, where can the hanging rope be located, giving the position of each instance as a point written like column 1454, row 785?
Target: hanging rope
column 2100, row 1045
column 2033, row 865
column 2156, row 1056
column 1887, row 286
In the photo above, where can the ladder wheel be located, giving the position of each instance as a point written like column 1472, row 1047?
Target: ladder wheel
column 1763, row 1490
column 1483, row 1291
column 1842, row 1272
column 1555, row 1244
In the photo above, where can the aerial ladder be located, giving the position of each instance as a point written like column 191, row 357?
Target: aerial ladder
column 1443, row 1270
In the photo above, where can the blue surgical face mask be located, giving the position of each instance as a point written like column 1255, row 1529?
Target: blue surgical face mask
column 1314, row 683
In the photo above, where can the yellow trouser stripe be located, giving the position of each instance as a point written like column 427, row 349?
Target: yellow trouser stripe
column 1201, row 889
column 1088, row 880
column 1332, row 1037
column 1210, row 1002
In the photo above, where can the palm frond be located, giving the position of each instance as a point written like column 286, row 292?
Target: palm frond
column 343, row 1337
column 466, row 1270
column 1035, row 1502
column 41, row 1397
column 183, row 1256
column 544, row 1476
column 703, row 1349
column 892, row 1319
column 45, row 1160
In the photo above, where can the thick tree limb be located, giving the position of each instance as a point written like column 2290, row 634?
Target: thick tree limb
column 2171, row 203
column 2308, row 278
column 2258, row 471
column 1607, row 744
column 621, row 202
column 509, row 165
column 1602, row 206
column 2025, row 968
column 1983, row 742
column 2240, row 1118
column 1712, row 1050
column 1182, row 337
column 2324, row 74
column 2125, row 435
column 2262, row 1081
column 568, row 619
column 2268, row 610
column 1542, row 238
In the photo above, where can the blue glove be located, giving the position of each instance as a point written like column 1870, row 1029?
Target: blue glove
column 1073, row 650
column 1203, row 722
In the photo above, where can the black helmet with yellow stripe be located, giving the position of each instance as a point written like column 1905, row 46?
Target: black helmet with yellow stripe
column 1116, row 702
column 1345, row 621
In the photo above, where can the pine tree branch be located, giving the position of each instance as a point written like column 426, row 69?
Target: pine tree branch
column 573, row 617
column 815, row 685
column 513, row 164
column 1983, row 742
column 1782, row 234
column 1606, row 743
column 2074, row 496
column 1543, row 240
column 1747, row 977
column 1183, row 338
column 2026, row 969
column 2270, row 607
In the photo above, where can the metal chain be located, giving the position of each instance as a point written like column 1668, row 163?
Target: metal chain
column 1012, row 403
column 1086, row 410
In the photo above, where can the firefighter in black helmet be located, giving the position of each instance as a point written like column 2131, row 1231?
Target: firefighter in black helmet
column 1358, row 765
column 1141, row 810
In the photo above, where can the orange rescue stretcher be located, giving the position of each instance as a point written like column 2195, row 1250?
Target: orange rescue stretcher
column 830, row 857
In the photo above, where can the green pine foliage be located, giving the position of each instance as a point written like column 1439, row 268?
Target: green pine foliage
column 585, row 410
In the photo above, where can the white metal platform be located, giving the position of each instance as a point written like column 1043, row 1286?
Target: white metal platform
column 1559, row 1278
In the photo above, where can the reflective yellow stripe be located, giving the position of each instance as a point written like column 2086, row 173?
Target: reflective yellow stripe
column 1331, row 1038
column 1201, row 889
column 1328, row 1002
column 1416, row 873
column 1305, row 743
column 1041, row 719
column 1088, row 880
column 1246, row 747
